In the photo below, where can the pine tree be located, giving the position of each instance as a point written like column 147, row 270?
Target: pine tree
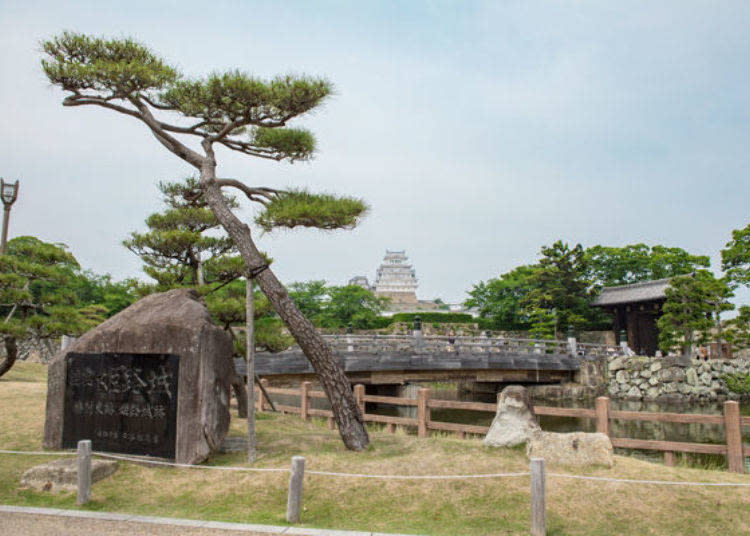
column 692, row 310
column 178, row 250
column 235, row 111
column 36, row 295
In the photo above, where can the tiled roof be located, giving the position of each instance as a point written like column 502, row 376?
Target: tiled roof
column 637, row 292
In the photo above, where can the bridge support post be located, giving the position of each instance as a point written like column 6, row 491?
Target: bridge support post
column 423, row 412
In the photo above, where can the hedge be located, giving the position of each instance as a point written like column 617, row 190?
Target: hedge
column 440, row 318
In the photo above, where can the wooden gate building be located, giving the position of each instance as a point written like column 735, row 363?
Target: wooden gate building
column 636, row 308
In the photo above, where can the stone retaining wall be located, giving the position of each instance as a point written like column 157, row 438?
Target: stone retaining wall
column 665, row 378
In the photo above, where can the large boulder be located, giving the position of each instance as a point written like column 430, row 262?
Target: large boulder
column 174, row 322
column 578, row 449
column 514, row 421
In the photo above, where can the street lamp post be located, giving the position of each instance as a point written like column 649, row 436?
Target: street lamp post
column 9, row 194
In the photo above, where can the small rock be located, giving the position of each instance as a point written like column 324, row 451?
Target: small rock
column 577, row 449
column 646, row 373
column 706, row 378
column 617, row 364
column 62, row 475
column 622, row 376
column 656, row 366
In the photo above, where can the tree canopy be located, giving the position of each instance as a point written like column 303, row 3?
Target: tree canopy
column 691, row 311
column 735, row 257
column 499, row 299
column 177, row 249
column 608, row 266
column 337, row 306
column 36, row 295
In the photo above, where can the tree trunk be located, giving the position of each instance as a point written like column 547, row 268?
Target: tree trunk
column 331, row 376
column 11, row 353
column 240, row 393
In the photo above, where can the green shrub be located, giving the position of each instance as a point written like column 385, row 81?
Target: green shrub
column 738, row 383
column 438, row 318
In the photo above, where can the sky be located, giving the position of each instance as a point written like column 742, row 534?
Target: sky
column 476, row 131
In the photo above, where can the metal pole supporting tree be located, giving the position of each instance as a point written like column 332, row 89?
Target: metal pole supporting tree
column 250, row 382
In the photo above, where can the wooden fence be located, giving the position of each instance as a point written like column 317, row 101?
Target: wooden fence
column 732, row 421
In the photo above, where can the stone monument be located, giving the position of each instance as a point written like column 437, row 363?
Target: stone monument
column 152, row 380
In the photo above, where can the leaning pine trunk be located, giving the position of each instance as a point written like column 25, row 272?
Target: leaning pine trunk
column 11, row 353
column 332, row 378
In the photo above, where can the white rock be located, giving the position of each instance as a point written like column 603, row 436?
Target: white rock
column 514, row 421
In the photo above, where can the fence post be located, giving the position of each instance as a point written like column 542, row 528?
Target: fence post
column 602, row 415
column 423, row 411
column 294, row 499
column 304, row 400
column 261, row 397
column 538, row 498
column 733, row 428
column 669, row 458
column 84, row 471
column 359, row 395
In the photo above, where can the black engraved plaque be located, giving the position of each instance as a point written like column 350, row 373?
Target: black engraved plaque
column 122, row 402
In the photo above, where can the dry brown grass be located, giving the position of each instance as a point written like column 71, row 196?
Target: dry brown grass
column 476, row 506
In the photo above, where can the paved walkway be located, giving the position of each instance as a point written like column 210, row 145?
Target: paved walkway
column 27, row 521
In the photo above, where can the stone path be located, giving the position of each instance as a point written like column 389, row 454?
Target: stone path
column 27, row 521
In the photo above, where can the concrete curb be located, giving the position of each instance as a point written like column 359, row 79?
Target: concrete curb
column 219, row 525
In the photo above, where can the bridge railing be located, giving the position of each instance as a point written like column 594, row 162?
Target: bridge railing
column 382, row 344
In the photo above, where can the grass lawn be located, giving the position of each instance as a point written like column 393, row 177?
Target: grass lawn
column 472, row 507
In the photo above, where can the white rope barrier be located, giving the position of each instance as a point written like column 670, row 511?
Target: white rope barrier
column 417, row 477
column 657, row 482
column 38, row 453
column 378, row 476
column 192, row 466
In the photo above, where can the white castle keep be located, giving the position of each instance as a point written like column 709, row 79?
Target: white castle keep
column 395, row 279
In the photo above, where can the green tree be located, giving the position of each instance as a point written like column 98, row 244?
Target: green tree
column 738, row 328
column 36, row 299
column 351, row 304
column 309, row 296
column 611, row 266
column 692, row 310
column 100, row 290
column 178, row 248
column 499, row 299
column 235, row 111
column 227, row 307
column 559, row 284
column 735, row 257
